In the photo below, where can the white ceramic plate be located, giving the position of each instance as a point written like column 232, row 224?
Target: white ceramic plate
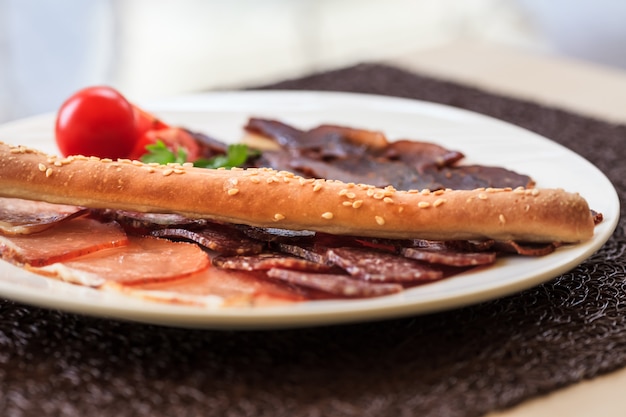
column 482, row 139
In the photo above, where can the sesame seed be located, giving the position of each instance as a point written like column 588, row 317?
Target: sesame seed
column 379, row 196
column 347, row 203
column 328, row 215
column 233, row 191
column 388, row 200
column 380, row 220
column 425, row 192
column 317, row 187
column 48, row 172
column 535, row 192
column 350, row 195
column 168, row 171
column 42, row 167
column 423, row 204
column 357, row 204
column 502, row 219
column 255, row 180
column 278, row 217
column 439, row 202
column 482, row 196
column 343, row 191
column 58, row 163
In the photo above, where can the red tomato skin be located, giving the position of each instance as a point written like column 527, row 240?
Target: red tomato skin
column 173, row 138
column 96, row 121
column 146, row 121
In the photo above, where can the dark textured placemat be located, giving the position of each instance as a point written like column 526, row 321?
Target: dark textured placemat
column 464, row 362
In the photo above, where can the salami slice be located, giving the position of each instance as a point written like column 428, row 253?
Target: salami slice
column 526, row 249
column 144, row 259
column 266, row 261
column 371, row 265
column 67, row 240
column 224, row 240
column 305, row 252
column 338, row 285
column 22, row 217
column 449, row 257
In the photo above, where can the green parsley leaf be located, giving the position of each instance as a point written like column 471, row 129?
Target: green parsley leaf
column 161, row 154
column 236, row 155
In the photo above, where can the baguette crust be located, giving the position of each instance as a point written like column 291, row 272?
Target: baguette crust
column 268, row 198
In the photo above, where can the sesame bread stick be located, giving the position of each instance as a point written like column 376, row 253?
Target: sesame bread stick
column 269, row 198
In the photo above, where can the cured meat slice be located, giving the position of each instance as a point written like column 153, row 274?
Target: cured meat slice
column 215, row 287
column 338, row 285
column 304, row 252
column 144, row 222
column 270, row 234
column 421, row 155
column 282, row 133
column 371, row 265
column 144, row 259
column 222, row 239
column 266, row 261
column 22, row 217
column 67, row 240
column 526, row 249
column 449, row 257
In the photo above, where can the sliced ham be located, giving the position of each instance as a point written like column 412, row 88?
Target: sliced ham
column 213, row 287
column 143, row 260
column 22, row 217
column 65, row 241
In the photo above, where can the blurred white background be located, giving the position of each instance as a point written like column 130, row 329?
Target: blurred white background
column 155, row 48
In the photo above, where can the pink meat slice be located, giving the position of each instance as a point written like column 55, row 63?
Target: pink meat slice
column 65, row 241
column 21, row 217
column 143, row 260
column 229, row 287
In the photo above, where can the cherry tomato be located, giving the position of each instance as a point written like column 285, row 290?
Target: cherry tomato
column 173, row 137
column 146, row 121
column 96, row 121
